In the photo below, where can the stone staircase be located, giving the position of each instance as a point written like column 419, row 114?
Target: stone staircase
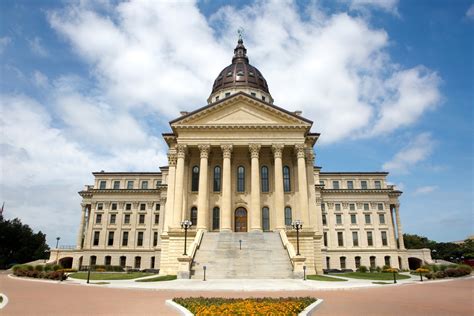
column 262, row 257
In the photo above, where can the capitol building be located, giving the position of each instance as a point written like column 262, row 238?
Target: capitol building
column 242, row 171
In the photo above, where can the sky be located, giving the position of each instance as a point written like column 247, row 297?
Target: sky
column 91, row 85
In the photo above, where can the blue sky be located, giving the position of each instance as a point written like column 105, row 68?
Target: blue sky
column 388, row 84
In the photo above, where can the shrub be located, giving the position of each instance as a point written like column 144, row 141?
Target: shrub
column 100, row 270
column 39, row 268
column 440, row 275
column 430, row 276
column 57, row 267
column 17, row 267
column 362, row 269
column 378, row 269
column 443, row 267
column 28, row 267
column 69, row 270
column 386, row 269
column 48, row 268
column 465, row 269
column 422, row 270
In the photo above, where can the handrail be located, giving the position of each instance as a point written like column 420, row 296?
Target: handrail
column 287, row 245
column 196, row 243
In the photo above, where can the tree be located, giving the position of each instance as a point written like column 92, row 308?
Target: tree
column 18, row 243
column 444, row 250
column 417, row 242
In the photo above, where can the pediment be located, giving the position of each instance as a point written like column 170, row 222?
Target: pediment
column 241, row 110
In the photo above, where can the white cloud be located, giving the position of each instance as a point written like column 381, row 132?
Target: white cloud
column 415, row 152
column 470, row 12
column 425, row 189
column 386, row 5
column 334, row 68
column 40, row 79
column 37, row 47
column 4, row 42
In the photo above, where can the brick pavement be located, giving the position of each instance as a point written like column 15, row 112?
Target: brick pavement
column 428, row 298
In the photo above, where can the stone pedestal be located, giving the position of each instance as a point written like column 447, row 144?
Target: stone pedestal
column 184, row 267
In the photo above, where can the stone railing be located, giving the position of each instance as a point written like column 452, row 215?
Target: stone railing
column 185, row 262
column 296, row 261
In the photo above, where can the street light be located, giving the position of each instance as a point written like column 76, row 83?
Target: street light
column 304, row 273
column 298, row 225
column 57, row 250
column 434, row 255
column 186, row 224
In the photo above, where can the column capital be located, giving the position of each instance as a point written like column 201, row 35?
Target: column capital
column 397, row 205
column 162, row 199
column 226, row 151
column 277, row 150
column 172, row 157
column 84, row 205
column 300, row 150
column 181, row 148
column 310, row 157
column 204, row 150
column 254, row 150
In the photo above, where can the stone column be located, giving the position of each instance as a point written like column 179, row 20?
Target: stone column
column 80, row 234
column 203, row 194
column 255, row 213
column 401, row 243
column 179, row 186
column 169, row 208
column 226, row 219
column 313, row 210
column 392, row 228
column 302, row 184
column 279, row 195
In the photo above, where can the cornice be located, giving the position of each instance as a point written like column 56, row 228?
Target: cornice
column 241, row 126
column 359, row 191
column 91, row 192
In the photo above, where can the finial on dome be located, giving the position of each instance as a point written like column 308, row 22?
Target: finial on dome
column 240, row 52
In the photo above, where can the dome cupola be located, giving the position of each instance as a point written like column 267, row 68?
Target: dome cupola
column 240, row 76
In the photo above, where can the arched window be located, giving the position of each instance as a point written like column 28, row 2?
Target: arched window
column 387, row 261
column 286, row 179
column 215, row 218
column 93, row 261
column 108, row 260
column 217, row 179
column 138, row 262
column 357, row 262
column 194, row 215
column 240, row 179
column 288, row 216
column 123, row 261
column 328, row 263
column 264, row 177
column 342, row 262
column 195, row 179
column 265, row 219
column 372, row 262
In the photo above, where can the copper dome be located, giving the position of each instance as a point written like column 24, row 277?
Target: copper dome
column 240, row 73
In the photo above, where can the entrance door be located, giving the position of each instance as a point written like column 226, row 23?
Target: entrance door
column 240, row 220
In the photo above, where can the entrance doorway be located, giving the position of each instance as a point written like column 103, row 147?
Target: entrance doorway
column 240, row 220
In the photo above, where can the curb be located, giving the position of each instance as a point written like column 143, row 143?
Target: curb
column 182, row 310
column 5, row 301
column 311, row 308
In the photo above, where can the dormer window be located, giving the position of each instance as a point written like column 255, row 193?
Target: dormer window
column 253, row 94
column 217, row 98
column 227, row 94
column 229, row 74
column 263, row 98
column 240, row 73
column 251, row 74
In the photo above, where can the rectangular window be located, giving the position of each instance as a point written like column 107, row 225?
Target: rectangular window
column 116, row 185
column 114, row 206
column 253, row 94
column 125, row 239
column 367, row 218
column 384, row 239
column 142, row 207
column 158, row 183
column 157, row 207
column 350, row 185
column 343, row 262
column 353, row 219
column 102, row 185
column 129, row 184
column 366, row 206
column 325, row 235
column 370, row 240
column 352, row 207
column 263, row 98
column 338, row 207
column 100, row 206
column 355, row 239
column 380, row 206
column 155, row 239
column 98, row 218
column 141, row 219
column 227, row 94
column 382, row 219
column 378, row 184
column 157, row 219
column 363, row 185
column 140, row 239
column 335, row 185
column 323, row 207
column 128, row 206
column 321, row 182
column 338, row 219
column 112, row 218
column 340, row 239
column 96, row 238
column 145, row 185
column 126, row 219
column 110, row 241
column 324, row 220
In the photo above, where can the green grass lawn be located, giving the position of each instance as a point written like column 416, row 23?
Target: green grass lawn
column 1, row 299
column 109, row 275
column 316, row 277
column 159, row 278
column 373, row 276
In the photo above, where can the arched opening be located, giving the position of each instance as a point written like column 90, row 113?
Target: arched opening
column 66, row 262
column 80, row 263
column 240, row 220
column 414, row 263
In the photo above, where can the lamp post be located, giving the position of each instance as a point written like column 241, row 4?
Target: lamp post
column 57, row 250
column 298, row 225
column 186, row 224
column 304, row 273
column 434, row 255
column 204, row 269
column 240, row 244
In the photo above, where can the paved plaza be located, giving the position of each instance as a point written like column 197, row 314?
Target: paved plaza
column 31, row 297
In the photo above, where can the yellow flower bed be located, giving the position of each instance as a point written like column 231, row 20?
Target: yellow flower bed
column 201, row 306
